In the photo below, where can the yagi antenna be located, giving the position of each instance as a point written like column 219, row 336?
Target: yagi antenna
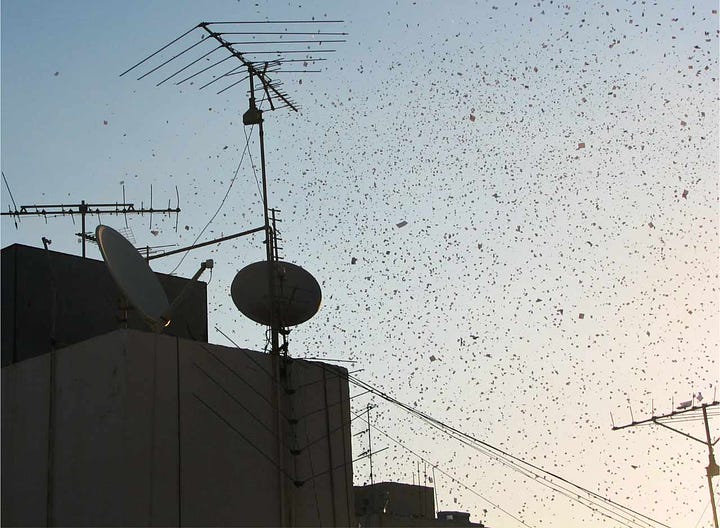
column 217, row 52
column 83, row 209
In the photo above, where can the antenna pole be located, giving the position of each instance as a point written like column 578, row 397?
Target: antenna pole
column 275, row 328
column 712, row 469
column 372, row 482
column 83, row 212
column 253, row 116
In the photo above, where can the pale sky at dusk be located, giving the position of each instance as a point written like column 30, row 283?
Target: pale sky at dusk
column 557, row 167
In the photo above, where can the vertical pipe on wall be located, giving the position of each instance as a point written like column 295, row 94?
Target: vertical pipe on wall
column 179, row 433
column 330, row 450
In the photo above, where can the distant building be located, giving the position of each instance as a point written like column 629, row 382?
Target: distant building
column 104, row 423
column 455, row 518
column 401, row 505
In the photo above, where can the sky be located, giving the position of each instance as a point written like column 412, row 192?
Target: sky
column 511, row 208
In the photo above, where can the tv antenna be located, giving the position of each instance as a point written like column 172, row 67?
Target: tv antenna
column 686, row 410
column 84, row 208
column 259, row 50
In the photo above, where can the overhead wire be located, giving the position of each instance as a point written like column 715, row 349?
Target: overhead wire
column 569, row 493
column 238, row 376
column 234, row 398
column 524, row 467
column 299, row 387
column 595, row 502
column 454, row 479
column 259, row 365
column 312, row 470
column 252, row 165
column 222, row 202
column 702, row 514
column 243, row 436
column 622, row 517
column 509, row 460
column 296, row 481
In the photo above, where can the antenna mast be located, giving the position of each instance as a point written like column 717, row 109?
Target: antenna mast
column 688, row 408
column 255, row 43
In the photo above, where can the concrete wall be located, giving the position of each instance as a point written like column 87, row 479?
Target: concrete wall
column 132, row 428
column 54, row 298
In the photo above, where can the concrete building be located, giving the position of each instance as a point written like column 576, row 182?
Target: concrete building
column 106, row 424
column 394, row 504
column 456, row 518
column 399, row 505
column 52, row 299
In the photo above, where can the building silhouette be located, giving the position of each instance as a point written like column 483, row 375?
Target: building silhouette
column 400, row 505
column 106, row 423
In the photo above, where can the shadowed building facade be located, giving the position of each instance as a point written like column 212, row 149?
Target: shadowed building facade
column 127, row 427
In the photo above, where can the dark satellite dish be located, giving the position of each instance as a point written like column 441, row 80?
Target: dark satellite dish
column 298, row 293
column 132, row 275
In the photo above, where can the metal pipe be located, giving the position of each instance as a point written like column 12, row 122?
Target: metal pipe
column 203, row 244
column 83, row 211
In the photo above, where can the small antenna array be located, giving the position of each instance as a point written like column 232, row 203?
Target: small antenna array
column 83, row 209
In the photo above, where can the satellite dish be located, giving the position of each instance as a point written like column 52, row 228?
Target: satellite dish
column 132, row 275
column 298, row 293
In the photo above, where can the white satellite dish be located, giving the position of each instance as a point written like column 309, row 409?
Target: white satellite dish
column 298, row 294
column 133, row 275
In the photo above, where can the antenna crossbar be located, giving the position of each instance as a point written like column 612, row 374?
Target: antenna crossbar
column 252, row 70
column 654, row 419
column 83, row 209
column 258, row 44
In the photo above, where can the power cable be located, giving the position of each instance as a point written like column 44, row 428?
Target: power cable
column 222, row 202
column 702, row 514
column 258, row 365
column 312, row 470
column 543, row 480
column 236, row 400
column 514, row 462
column 435, row 466
column 241, row 435
column 509, row 460
column 234, row 371
column 252, row 166
column 593, row 501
